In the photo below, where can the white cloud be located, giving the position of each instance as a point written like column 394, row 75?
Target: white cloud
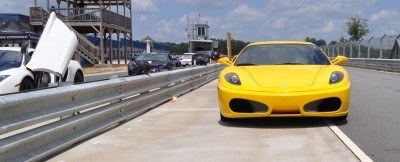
column 144, row 9
column 246, row 13
column 384, row 22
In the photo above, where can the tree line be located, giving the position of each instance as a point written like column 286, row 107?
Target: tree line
column 180, row 48
column 357, row 27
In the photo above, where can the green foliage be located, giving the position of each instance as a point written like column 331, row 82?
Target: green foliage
column 177, row 48
column 319, row 42
column 333, row 43
column 237, row 46
column 312, row 40
column 343, row 40
column 357, row 28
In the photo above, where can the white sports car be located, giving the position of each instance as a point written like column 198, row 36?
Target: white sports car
column 51, row 62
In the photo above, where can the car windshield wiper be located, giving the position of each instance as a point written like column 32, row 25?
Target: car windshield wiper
column 245, row 64
column 290, row 63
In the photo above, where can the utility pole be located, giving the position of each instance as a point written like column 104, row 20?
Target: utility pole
column 229, row 45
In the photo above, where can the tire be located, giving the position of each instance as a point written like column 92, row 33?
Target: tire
column 225, row 119
column 78, row 77
column 147, row 71
column 130, row 72
column 341, row 118
column 26, row 84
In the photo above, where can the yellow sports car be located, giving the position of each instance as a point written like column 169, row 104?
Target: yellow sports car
column 283, row 79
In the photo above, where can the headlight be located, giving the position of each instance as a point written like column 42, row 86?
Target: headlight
column 2, row 77
column 336, row 77
column 232, row 78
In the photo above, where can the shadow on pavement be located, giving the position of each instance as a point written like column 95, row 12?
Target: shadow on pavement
column 275, row 123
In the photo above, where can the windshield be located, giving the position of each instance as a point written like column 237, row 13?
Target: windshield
column 203, row 52
column 279, row 54
column 10, row 59
column 152, row 57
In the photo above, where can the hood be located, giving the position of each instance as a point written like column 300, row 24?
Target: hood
column 157, row 62
column 11, row 71
column 286, row 76
column 55, row 48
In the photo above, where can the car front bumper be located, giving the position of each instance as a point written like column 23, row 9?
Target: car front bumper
column 285, row 104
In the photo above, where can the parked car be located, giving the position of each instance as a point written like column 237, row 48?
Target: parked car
column 176, row 61
column 138, row 65
column 187, row 59
column 22, row 69
column 157, row 62
column 201, row 58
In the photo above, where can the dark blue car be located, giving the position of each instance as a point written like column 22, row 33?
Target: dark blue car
column 146, row 63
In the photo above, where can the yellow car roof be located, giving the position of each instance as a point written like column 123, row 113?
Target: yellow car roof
column 280, row 42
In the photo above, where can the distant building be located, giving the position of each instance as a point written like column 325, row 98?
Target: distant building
column 138, row 47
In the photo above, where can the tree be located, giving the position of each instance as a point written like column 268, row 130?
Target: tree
column 357, row 28
column 312, row 40
column 319, row 42
column 333, row 43
column 237, row 46
column 343, row 40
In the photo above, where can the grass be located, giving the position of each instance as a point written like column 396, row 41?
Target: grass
column 94, row 70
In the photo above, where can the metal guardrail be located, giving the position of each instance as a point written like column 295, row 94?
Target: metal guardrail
column 376, row 64
column 101, row 105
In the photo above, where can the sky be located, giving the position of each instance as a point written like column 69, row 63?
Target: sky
column 252, row 20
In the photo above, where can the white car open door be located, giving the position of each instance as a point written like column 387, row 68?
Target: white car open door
column 55, row 48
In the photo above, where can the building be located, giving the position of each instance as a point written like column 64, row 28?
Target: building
column 198, row 35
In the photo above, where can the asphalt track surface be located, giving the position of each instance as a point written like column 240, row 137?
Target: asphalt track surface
column 190, row 130
column 373, row 123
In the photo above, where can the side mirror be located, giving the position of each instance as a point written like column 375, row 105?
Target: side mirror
column 24, row 48
column 30, row 53
column 225, row 61
column 133, row 59
column 339, row 59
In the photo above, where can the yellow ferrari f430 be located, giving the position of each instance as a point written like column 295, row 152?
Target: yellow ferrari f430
column 283, row 79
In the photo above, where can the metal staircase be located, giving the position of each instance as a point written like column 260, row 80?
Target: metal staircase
column 85, row 48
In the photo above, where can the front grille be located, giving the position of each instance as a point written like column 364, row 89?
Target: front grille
column 324, row 105
column 247, row 106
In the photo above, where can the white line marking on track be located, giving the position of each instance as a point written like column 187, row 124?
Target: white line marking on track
column 348, row 142
column 165, row 109
column 128, row 129
column 95, row 142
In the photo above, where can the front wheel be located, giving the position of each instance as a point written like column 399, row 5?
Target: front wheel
column 26, row 84
column 78, row 77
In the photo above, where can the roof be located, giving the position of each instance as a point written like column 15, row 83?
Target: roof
column 280, row 42
column 13, row 26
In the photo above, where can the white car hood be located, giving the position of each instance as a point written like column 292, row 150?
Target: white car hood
column 55, row 48
column 11, row 71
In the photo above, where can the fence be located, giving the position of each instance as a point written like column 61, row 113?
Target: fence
column 385, row 47
column 38, row 124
